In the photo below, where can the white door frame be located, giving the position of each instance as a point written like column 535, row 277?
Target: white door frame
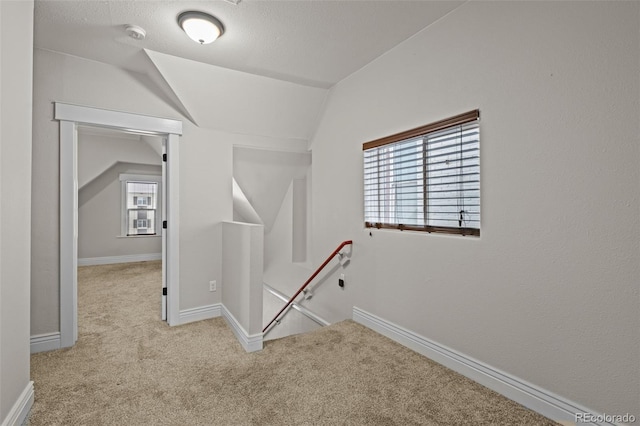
column 70, row 116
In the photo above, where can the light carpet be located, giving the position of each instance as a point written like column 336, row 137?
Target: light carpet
column 129, row 368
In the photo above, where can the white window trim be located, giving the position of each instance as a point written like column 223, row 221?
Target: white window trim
column 127, row 177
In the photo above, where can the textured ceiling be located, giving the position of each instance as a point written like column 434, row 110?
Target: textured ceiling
column 311, row 42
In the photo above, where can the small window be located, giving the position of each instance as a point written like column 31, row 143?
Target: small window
column 140, row 214
column 425, row 179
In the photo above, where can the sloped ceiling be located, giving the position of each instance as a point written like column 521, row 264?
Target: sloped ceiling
column 99, row 149
column 239, row 102
column 267, row 75
column 316, row 43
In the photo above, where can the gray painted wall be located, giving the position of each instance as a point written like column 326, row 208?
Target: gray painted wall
column 101, row 160
column 549, row 292
column 99, row 149
column 16, row 56
column 205, row 167
column 99, row 216
column 242, row 276
column 265, row 177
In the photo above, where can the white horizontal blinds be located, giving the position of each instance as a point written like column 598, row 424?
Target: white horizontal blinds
column 425, row 179
column 393, row 177
column 453, row 177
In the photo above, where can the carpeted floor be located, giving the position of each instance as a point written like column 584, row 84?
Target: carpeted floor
column 129, row 368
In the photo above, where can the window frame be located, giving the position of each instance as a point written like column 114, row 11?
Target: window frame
column 423, row 131
column 128, row 178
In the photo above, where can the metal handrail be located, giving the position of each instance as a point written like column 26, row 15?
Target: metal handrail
column 331, row 256
column 298, row 307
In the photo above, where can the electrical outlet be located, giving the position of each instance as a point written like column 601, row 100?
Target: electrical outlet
column 212, row 285
column 341, row 281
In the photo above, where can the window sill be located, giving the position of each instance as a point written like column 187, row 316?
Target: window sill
column 431, row 230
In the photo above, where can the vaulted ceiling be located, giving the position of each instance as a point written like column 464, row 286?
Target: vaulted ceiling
column 269, row 73
column 311, row 42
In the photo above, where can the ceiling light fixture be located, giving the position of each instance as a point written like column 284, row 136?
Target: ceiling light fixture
column 200, row 27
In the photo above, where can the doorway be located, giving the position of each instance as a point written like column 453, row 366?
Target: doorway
column 70, row 117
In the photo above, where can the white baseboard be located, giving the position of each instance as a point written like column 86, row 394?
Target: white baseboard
column 51, row 341
column 45, row 342
column 531, row 396
column 250, row 343
column 88, row 261
column 21, row 408
column 200, row 313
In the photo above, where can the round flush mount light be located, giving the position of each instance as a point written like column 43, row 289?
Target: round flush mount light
column 136, row 32
column 200, row 27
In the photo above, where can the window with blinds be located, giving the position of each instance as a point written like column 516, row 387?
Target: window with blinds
column 426, row 179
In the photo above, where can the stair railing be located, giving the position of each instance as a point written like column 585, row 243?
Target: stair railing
column 298, row 307
column 301, row 289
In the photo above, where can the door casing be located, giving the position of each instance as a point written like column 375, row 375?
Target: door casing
column 70, row 116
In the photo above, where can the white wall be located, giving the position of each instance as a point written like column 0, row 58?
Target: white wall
column 243, row 211
column 99, row 217
column 241, row 284
column 264, row 175
column 549, row 292
column 16, row 56
column 267, row 178
column 280, row 271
